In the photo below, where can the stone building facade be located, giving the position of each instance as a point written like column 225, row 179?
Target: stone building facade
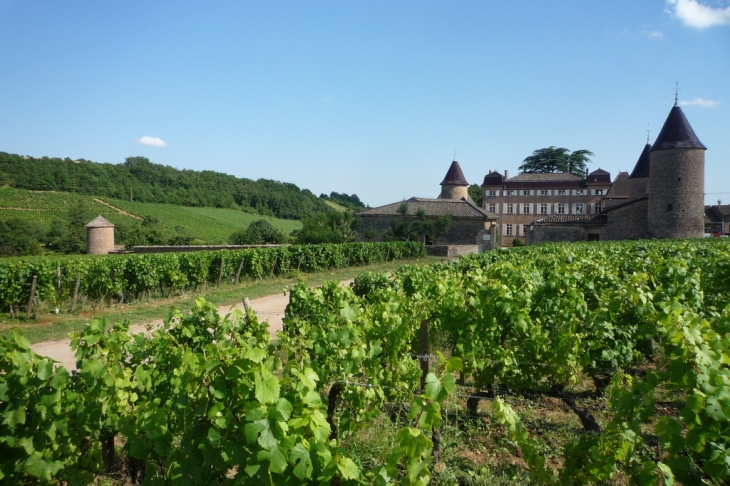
column 521, row 200
column 661, row 198
column 472, row 228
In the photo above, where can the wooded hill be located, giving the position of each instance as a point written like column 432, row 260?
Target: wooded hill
column 143, row 181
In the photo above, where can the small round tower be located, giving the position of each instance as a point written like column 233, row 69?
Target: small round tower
column 676, row 180
column 99, row 236
column 454, row 185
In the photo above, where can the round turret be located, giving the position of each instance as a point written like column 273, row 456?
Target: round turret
column 454, row 185
column 676, row 181
column 99, row 236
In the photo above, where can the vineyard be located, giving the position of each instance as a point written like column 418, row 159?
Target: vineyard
column 36, row 284
column 630, row 338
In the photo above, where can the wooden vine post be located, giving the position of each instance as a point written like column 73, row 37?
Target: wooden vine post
column 32, row 294
column 76, row 292
column 238, row 273
column 220, row 273
column 273, row 267
column 424, row 353
column 58, row 282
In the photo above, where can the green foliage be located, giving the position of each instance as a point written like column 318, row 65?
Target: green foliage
column 177, row 225
column 202, row 399
column 143, row 181
column 350, row 202
column 475, row 192
column 259, row 232
column 19, row 237
column 517, row 242
column 417, row 227
column 128, row 276
column 332, row 227
column 557, row 159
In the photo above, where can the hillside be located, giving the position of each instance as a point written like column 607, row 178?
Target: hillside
column 204, row 225
column 143, row 181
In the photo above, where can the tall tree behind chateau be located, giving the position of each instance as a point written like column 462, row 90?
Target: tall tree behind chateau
column 141, row 180
column 557, row 159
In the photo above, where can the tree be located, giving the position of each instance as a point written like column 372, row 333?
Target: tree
column 330, row 227
column 408, row 228
column 556, row 159
column 260, row 232
column 74, row 241
column 475, row 192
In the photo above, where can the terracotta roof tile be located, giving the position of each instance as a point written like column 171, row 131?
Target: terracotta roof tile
column 458, row 208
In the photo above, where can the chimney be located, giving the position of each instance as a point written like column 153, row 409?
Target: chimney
column 506, row 174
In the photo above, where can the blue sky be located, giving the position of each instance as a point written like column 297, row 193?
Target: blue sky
column 370, row 97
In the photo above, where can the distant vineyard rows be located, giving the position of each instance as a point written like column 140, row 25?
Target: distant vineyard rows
column 128, row 276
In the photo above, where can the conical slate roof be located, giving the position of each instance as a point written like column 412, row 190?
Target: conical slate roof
column 677, row 133
column 100, row 222
column 641, row 169
column 454, row 177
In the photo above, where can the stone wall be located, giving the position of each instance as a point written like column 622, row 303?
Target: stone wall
column 451, row 250
column 627, row 222
column 676, row 193
column 555, row 233
column 449, row 191
column 463, row 231
column 100, row 240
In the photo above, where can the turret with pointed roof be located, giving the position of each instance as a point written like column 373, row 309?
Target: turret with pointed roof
column 676, row 180
column 454, row 185
column 99, row 236
column 641, row 169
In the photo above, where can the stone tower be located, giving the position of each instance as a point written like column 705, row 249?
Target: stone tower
column 99, row 236
column 454, row 185
column 676, row 181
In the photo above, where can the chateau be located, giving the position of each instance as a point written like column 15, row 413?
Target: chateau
column 663, row 197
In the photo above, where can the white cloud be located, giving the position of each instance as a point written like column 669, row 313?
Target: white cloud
column 653, row 34
column 694, row 14
column 154, row 141
column 700, row 102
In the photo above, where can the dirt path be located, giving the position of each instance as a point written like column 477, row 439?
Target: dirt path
column 270, row 308
column 118, row 209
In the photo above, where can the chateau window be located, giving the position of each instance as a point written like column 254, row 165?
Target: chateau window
column 561, row 208
column 510, row 208
column 597, row 208
column 598, row 192
column 579, row 209
column 492, row 193
column 508, row 230
column 579, row 192
column 544, row 192
column 561, row 192
column 526, row 208
column 526, row 193
column 509, row 193
column 543, row 208
column 492, row 208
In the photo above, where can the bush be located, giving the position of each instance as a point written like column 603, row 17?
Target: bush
column 260, row 232
column 517, row 242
